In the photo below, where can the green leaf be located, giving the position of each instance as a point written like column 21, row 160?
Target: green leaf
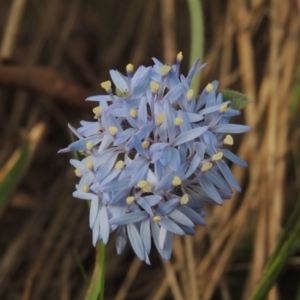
column 238, row 100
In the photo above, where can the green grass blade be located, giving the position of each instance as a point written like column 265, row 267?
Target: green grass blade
column 275, row 267
column 14, row 169
column 197, row 37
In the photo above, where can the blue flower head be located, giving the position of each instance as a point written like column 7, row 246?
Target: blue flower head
column 154, row 155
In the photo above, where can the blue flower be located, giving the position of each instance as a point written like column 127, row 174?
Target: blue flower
column 154, row 156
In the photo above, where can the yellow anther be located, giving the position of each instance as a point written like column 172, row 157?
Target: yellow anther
column 156, row 219
column 113, row 130
column 217, row 156
column 179, row 56
column 86, row 188
column 145, row 186
column 154, row 87
column 176, row 181
column 209, row 88
column 130, row 200
column 145, row 144
column 223, row 108
column 78, row 172
column 160, row 119
column 190, row 95
column 119, row 165
column 165, row 69
column 129, row 68
column 89, row 165
column 89, row 145
column 184, row 199
column 206, row 166
column 178, row 121
column 97, row 111
column 228, row 140
column 106, row 85
column 133, row 113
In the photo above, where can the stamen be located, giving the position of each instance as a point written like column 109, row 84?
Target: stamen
column 129, row 68
column 206, row 166
column 78, row 172
column 228, row 140
column 156, row 219
column 217, row 156
column 160, row 119
column 106, row 85
column 119, row 165
column 89, row 145
column 130, row 200
column 178, row 121
column 176, row 181
column 223, row 108
column 154, row 87
column 179, row 57
column 184, row 199
column 165, row 69
column 209, row 88
column 113, row 130
column 86, row 188
column 89, row 165
column 190, row 95
column 145, row 186
column 133, row 113
column 97, row 111
column 145, row 144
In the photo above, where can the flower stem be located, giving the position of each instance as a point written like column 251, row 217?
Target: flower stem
column 102, row 265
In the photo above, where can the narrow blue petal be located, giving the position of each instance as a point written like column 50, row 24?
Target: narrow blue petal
column 155, row 234
column 192, row 215
column 146, row 234
column 115, row 185
column 218, row 180
column 193, row 117
column 139, row 173
column 142, row 111
column 234, row 158
column 104, row 225
column 227, row 174
column 167, row 207
column 121, row 239
column 193, row 166
column 152, row 199
column 167, row 251
column 165, row 182
column 136, row 241
column 99, row 98
column 189, row 135
column 81, row 144
column 118, row 80
column 162, row 236
column 170, row 225
column 209, row 189
column 82, row 195
column 94, row 209
column 96, row 230
column 145, row 205
column 230, row 128
column 187, row 229
column 181, row 218
column 129, row 218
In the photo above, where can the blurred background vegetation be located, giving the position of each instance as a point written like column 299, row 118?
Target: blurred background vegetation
column 54, row 53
